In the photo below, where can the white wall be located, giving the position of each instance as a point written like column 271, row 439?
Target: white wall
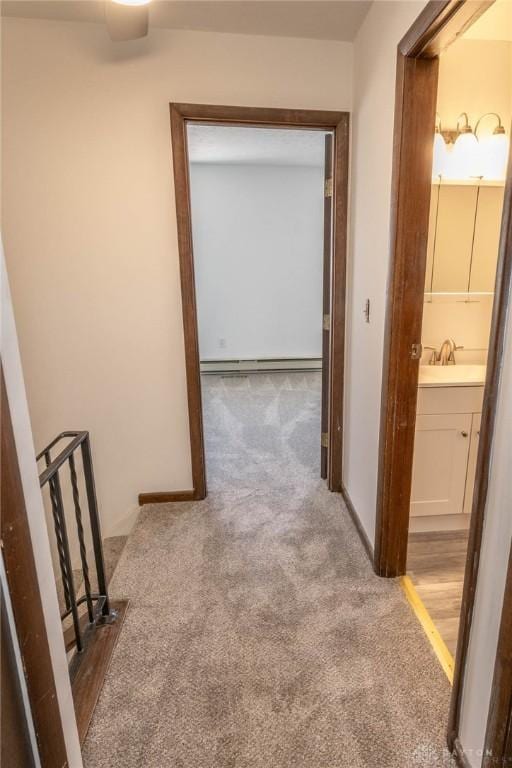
column 468, row 322
column 90, row 229
column 496, row 542
column 258, row 245
column 493, row 568
column 18, row 408
column 374, row 98
column 475, row 76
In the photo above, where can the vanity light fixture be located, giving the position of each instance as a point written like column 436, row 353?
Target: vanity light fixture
column 465, row 156
column 494, row 149
column 131, row 2
column 462, row 154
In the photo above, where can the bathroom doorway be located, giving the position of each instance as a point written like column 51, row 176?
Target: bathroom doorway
column 473, row 116
column 459, row 430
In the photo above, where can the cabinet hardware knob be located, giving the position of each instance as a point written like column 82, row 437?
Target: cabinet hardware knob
column 464, row 434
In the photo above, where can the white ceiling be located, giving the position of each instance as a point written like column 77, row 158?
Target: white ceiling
column 494, row 24
column 255, row 146
column 320, row 19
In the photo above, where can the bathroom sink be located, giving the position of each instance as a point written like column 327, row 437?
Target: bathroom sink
column 452, row 375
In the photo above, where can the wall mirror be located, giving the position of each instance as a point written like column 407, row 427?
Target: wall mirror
column 463, row 237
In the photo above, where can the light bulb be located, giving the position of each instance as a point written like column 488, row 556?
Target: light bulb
column 494, row 151
column 465, row 158
column 440, row 156
column 131, row 2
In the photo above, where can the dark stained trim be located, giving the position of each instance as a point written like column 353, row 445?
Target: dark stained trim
column 165, row 497
column 439, row 24
column 338, row 304
column 277, row 118
column 26, row 600
column 15, row 744
column 326, row 299
column 416, row 91
column 181, row 114
column 188, row 294
column 88, row 672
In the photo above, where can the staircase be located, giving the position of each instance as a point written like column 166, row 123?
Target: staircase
column 90, row 621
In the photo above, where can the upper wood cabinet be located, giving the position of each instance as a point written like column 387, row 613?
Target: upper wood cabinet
column 463, row 238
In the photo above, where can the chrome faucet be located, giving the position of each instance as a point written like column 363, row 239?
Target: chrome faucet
column 433, row 357
column 446, row 354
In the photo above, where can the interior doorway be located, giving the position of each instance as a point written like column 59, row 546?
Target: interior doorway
column 261, row 229
column 455, row 430
column 332, row 319
column 466, row 206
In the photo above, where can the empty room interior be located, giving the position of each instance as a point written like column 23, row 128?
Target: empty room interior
column 257, row 202
column 256, row 383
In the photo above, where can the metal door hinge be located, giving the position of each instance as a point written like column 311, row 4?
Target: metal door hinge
column 324, row 440
column 416, row 351
column 326, row 324
column 328, row 188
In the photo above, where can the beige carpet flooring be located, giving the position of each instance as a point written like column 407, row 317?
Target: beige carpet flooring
column 258, row 635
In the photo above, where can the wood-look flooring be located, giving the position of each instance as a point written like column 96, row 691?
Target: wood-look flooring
column 435, row 564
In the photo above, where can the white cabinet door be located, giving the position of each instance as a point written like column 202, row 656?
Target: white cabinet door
column 486, row 239
column 441, row 452
column 473, row 453
column 454, row 238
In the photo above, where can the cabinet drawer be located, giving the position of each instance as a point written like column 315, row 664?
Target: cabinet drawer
column 449, row 400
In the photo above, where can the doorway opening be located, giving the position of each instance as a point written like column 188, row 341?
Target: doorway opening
column 188, row 121
column 466, row 205
column 450, row 277
column 262, row 251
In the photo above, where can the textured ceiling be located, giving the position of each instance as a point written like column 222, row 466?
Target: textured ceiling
column 255, row 146
column 320, row 19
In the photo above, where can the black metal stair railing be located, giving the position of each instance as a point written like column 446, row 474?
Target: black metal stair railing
column 98, row 607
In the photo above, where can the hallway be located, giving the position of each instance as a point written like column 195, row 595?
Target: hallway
column 257, row 634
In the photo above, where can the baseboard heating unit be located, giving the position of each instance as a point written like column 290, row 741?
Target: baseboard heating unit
column 262, row 365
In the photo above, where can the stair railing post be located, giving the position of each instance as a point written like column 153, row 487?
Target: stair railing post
column 95, row 523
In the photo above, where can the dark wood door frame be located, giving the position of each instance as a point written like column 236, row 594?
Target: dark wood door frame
column 441, row 22
column 326, row 303
column 26, row 601
column 338, row 122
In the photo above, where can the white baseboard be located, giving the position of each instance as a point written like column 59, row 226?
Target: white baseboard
column 439, row 523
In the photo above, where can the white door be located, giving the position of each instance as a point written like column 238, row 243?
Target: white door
column 441, row 452
column 473, row 453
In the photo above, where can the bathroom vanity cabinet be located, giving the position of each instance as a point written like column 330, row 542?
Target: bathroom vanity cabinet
column 445, row 451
